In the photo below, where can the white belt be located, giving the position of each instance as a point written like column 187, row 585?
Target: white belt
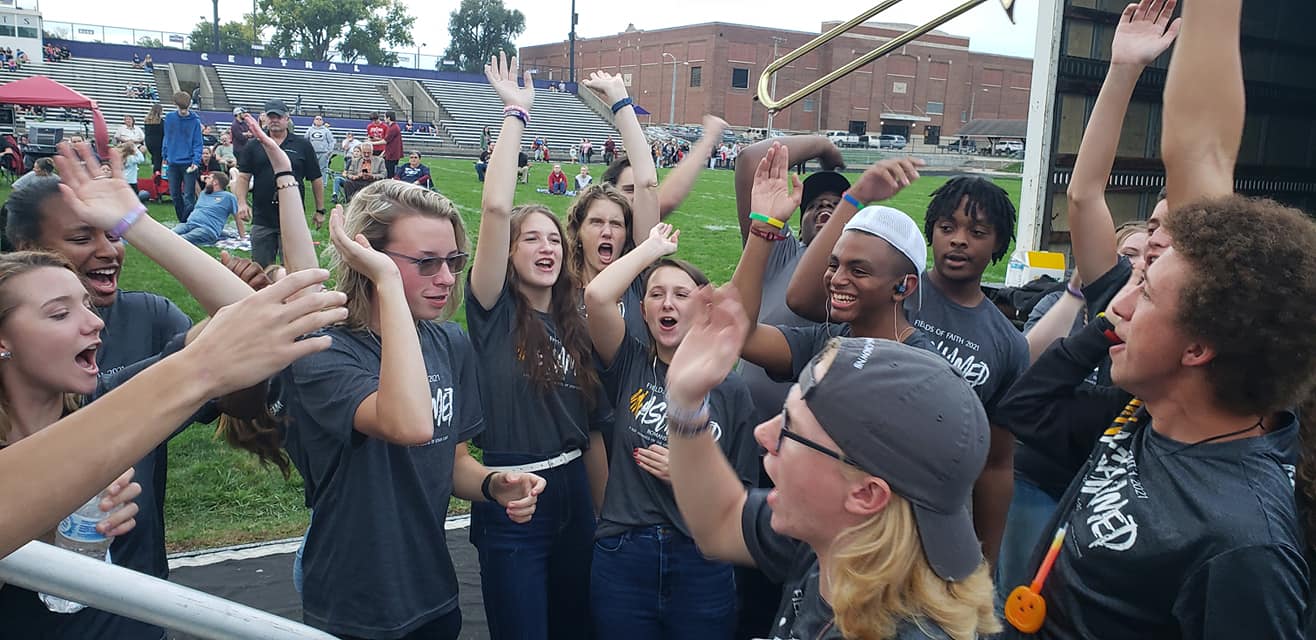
column 551, row 463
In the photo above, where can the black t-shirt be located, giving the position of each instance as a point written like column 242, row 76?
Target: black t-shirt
column 375, row 562
column 253, row 161
column 808, row 341
column 519, row 418
column 637, row 384
column 803, row 614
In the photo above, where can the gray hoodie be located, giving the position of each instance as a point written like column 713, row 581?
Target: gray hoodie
column 322, row 138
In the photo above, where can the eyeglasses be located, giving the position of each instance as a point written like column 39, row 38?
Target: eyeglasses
column 786, row 434
column 432, row 265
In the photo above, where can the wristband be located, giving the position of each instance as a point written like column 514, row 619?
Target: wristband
column 1077, row 293
column 770, row 220
column 484, row 487
column 127, row 221
column 854, row 202
column 767, row 235
column 285, row 173
column 290, row 185
column 621, row 104
column 1108, row 329
column 688, row 424
column 518, row 113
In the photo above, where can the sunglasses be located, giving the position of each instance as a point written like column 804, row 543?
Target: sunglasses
column 432, row 265
column 786, row 434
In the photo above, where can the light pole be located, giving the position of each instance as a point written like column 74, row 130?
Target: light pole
column 973, row 101
column 671, row 111
column 216, row 26
column 418, row 46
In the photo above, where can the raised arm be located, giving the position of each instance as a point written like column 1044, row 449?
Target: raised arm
column 1204, row 104
column 489, row 271
column 802, row 149
column 134, row 418
column 1056, row 322
column 607, row 327
column 401, row 410
column 611, row 89
column 681, row 179
column 771, row 196
column 1144, row 32
column 109, row 204
column 708, row 491
column 879, row 182
column 298, row 248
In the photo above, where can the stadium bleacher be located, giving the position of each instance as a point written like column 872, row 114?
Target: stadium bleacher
column 560, row 117
column 102, row 80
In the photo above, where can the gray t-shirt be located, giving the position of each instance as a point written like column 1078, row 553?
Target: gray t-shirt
column 519, row 419
column 979, row 341
column 803, row 614
column 637, row 384
column 807, row 342
column 376, row 563
column 769, row 394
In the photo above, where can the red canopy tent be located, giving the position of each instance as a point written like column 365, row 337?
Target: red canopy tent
column 41, row 91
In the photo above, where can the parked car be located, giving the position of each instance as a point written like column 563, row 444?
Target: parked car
column 843, row 138
column 962, row 145
column 1008, row 147
column 890, row 141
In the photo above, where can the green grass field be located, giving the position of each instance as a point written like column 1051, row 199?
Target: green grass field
column 219, row 496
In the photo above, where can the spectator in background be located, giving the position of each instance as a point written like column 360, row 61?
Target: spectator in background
column 154, row 131
column 486, row 138
column 557, row 181
column 208, row 136
column 42, row 168
column 414, row 172
column 392, row 143
column 483, row 163
column 523, row 167
column 351, row 170
column 196, row 97
column 583, row 179
column 543, row 149
column 574, row 152
column 375, row 134
column 148, row 64
column 350, row 143
column 256, row 175
column 129, row 132
column 609, row 150
column 587, row 150
column 132, row 157
column 239, row 132
column 212, row 211
column 224, row 150
column 322, row 140
column 137, row 60
column 182, row 152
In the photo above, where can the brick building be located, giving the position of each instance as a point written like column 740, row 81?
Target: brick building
column 929, row 88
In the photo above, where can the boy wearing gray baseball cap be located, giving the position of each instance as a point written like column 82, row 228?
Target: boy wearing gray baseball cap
column 874, row 458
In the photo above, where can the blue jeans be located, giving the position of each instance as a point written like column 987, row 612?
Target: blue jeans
column 1030, row 511
column 480, row 168
column 651, row 583
column 535, row 576
column 195, row 234
column 182, row 189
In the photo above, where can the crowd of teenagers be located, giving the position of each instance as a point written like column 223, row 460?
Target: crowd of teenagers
column 846, row 441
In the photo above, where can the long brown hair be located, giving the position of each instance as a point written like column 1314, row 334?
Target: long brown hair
column 576, row 219
column 12, row 265
column 532, row 341
column 155, row 115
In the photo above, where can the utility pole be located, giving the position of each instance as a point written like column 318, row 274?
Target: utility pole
column 671, row 111
column 776, row 40
column 216, row 27
column 571, row 47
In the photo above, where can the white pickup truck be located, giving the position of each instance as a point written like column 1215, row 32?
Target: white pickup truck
column 842, row 138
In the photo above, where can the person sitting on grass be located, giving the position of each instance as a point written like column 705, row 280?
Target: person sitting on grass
column 557, row 181
column 583, row 179
column 414, row 172
column 211, row 213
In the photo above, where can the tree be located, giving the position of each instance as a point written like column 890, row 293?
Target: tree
column 234, row 37
column 479, row 30
column 148, row 41
column 352, row 29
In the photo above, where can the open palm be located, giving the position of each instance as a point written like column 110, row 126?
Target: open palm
column 712, row 347
column 771, row 194
column 1145, row 31
column 501, row 74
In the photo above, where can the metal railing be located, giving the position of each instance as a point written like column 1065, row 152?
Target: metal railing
column 44, row 568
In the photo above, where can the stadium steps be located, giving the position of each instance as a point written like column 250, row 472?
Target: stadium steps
column 560, row 118
column 102, row 80
column 217, row 93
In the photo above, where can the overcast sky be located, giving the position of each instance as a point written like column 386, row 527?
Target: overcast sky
column 548, row 20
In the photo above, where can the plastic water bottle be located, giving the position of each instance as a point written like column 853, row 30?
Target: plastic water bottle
column 1016, row 273
column 78, row 533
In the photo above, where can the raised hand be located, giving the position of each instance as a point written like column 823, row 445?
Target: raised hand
column 664, row 237
column 100, row 201
column 501, row 74
column 518, row 493
column 119, row 503
column 608, row 86
column 885, row 179
column 1144, row 32
column 710, row 350
column 358, row 253
column 713, row 127
column 279, row 161
column 772, row 194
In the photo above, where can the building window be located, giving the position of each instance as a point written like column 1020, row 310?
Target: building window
column 964, row 116
column 696, row 76
column 27, row 32
column 626, row 79
column 7, row 30
column 739, row 78
column 899, row 87
column 936, row 108
column 808, row 105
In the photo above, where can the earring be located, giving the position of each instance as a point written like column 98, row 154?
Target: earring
column 5, row 355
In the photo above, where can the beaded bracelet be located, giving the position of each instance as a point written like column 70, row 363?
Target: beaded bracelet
column 767, row 235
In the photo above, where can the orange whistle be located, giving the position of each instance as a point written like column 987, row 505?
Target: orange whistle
column 1025, row 609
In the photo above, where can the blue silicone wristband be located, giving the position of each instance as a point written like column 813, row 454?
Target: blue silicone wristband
column 854, row 202
column 621, row 104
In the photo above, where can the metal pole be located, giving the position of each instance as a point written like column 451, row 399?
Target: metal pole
column 1035, row 195
column 47, row 569
column 216, row 25
column 571, row 47
column 672, row 110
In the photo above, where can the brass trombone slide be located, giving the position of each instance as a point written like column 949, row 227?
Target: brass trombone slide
column 764, row 94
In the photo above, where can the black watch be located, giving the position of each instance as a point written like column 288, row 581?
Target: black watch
column 319, row 211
